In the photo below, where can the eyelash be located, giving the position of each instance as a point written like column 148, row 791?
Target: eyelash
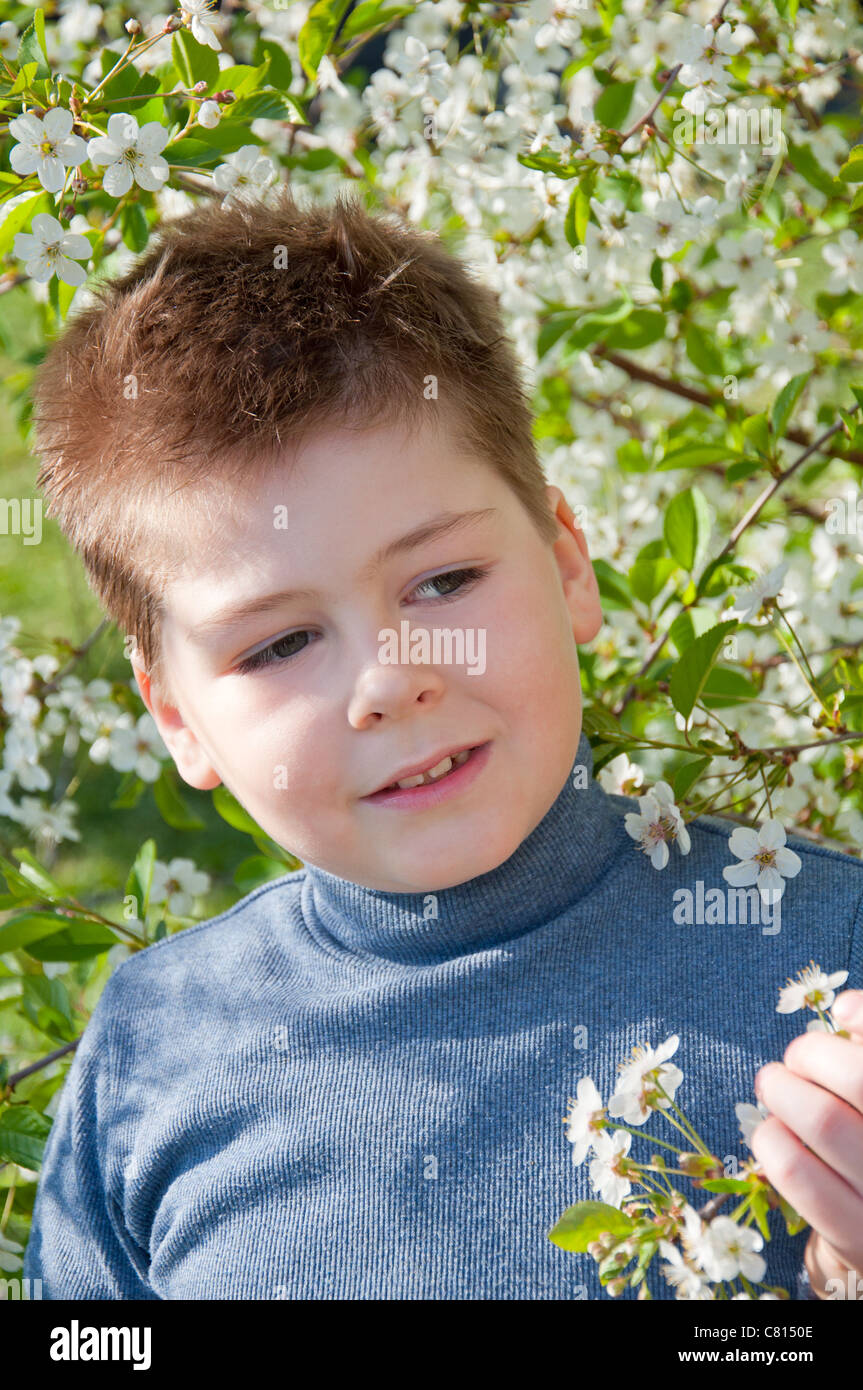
column 269, row 656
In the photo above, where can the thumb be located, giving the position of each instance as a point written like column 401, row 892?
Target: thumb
column 847, row 1011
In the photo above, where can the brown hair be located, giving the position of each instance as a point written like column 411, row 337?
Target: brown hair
column 241, row 329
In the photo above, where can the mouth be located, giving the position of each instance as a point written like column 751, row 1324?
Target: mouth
column 429, row 774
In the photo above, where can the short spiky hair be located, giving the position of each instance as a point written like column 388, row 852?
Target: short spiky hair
column 241, row 330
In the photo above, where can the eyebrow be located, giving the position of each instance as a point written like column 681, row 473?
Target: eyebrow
column 434, row 529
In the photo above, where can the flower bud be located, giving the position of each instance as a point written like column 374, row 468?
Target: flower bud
column 225, row 96
column 132, row 26
column 79, row 185
column 595, row 1250
column 615, row 1287
column 199, row 87
column 209, row 114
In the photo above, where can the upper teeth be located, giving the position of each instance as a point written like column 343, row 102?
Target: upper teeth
column 439, row 770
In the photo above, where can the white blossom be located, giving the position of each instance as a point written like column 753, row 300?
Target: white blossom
column 812, row 989
column 46, row 147
column 132, row 155
column 765, row 859
column 50, row 250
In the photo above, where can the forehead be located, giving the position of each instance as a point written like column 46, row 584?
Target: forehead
column 328, row 514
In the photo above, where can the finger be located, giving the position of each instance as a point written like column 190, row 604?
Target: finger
column 814, row 1190
column 823, row 1121
column 847, row 1012
column 831, row 1062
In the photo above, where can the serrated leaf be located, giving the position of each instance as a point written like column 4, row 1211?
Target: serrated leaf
column 689, row 673
column 195, row 62
column 368, row 18
column 695, row 455
column 783, row 406
column 586, row 1222
column 231, row 811
column 17, row 932
column 23, row 1132
column 140, row 879
column 612, row 105
column 703, row 352
column 172, row 807
column 318, row 32
column 30, row 51
column 687, row 775
column 686, row 526
column 689, row 625
column 647, row 578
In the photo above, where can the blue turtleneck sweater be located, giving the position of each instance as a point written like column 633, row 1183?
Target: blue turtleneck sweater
column 328, row 1093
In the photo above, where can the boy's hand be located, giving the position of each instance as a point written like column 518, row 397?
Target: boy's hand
column 811, row 1145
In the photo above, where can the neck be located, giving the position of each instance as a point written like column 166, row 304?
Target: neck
column 558, row 863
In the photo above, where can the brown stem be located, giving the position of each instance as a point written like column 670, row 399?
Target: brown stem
column 17, row 1076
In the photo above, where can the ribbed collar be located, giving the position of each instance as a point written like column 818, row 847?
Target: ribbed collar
column 561, row 860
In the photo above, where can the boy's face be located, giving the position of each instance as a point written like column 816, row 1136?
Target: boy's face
column 305, row 741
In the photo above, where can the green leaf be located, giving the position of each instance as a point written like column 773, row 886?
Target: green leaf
column 172, row 807
column 801, row 158
column 586, row 1222
column 255, row 870
column 134, row 226
column 687, row 775
column 613, row 104
column 689, row 673
column 31, row 50
column 742, row 469
column 783, row 406
column 23, row 1132
column 613, row 586
column 318, row 32
column 242, row 78
column 852, row 169
column 39, row 26
column 34, row 873
column 231, row 811
column 759, row 1208
column 694, row 455
column 647, row 578
column 19, row 931
column 725, row 686
column 279, row 73
column 140, row 879
column 689, row 625
column 726, row 1185
column 191, row 150
column 267, row 105
column 553, row 329
column 641, row 328
column 78, row 942
column 687, row 526
column 794, row 1222
column 16, row 214
column 757, row 433
column 703, row 352
column 195, row 62
column 368, row 18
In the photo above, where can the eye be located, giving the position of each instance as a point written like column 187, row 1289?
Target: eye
column 459, row 579
column 280, row 650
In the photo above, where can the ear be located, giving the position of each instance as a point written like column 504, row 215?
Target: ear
column 580, row 588
column 190, row 758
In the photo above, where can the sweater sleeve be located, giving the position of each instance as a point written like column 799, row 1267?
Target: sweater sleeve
column 78, row 1244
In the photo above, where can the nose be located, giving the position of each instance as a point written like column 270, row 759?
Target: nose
column 392, row 691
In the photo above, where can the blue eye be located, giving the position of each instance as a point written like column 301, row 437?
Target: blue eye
column 275, row 653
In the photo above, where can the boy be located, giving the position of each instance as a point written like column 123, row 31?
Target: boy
column 350, row 1084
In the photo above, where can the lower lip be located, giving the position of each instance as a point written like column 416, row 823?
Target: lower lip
column 433, row 793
